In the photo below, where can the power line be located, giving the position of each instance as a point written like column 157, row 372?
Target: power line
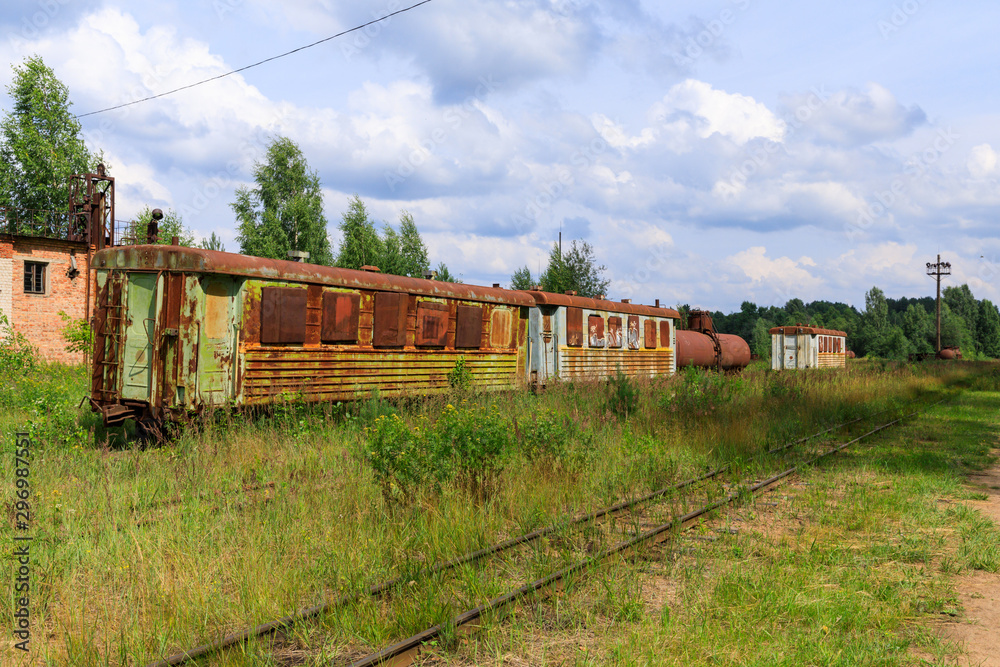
column 266, row 60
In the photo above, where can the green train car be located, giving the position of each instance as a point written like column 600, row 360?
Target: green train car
column 179, row 330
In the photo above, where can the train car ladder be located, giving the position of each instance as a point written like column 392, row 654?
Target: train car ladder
column 107, row 340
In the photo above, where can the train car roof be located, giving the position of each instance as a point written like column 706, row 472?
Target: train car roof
column 799, row 329
column 198, row 260
column 552, row 299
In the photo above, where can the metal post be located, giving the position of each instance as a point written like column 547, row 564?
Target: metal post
column 937, row 270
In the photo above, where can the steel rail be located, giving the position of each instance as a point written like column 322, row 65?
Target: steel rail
column 415, row 641
column 384, row 587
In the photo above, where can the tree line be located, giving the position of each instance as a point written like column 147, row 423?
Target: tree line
column 887, row 328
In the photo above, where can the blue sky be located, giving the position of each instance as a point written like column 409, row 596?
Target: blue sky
column 711, row 152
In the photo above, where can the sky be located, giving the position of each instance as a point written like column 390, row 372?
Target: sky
column 711, row 152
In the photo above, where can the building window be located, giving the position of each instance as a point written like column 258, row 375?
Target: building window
column 34, row 278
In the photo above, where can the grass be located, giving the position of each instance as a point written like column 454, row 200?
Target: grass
column 849, row 569
column 245, row 518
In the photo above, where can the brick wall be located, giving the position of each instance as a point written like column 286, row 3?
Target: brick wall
column 6, row 284
column 37, row 315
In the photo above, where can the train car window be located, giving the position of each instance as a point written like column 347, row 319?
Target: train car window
column 574, row 327
column 649, row 334
column 282, row 315
column 614, row 331
column 390, row 319
column 501, row 328
column 595, row 331
column 432, row 324
column 633, row 332
column 468, row 327
column 341, row 311
column 665, row 333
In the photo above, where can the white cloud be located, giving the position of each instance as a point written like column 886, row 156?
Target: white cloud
column 697, row 106
column 759, row 268
column 853, row 117
column 982, row 161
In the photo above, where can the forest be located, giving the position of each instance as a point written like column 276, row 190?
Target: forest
column 887, row 328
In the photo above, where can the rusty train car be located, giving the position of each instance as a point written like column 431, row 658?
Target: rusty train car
column 178, row 330
column 801, row 347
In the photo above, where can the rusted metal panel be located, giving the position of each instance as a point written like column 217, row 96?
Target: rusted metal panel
column 168, row 340
column 172, row 306
column 832, row 360
column 633, row 332
column 501, row 328
column 341, row 312
column 574, row 327
column 282, row 315
column 583, row 363
column 649, row 334
column 322, row 374
column 700, row 320
column 314, row 314
column 197, row 260
column 432, row 324
column 664, row 333
column 390, row 319
column 615, row 331
column 595, row 328
column 468, row 326
column 217, row 311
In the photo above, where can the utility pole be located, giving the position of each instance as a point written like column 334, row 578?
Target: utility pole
column 938, row 270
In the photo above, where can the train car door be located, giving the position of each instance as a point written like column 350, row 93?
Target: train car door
column 543, row 345
column 790, row 355
column 140, row 325
column 216, row 340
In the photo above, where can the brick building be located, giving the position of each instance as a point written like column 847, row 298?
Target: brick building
column 44, row 263
column 39, row 278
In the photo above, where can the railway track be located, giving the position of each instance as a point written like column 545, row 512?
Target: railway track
column 403, row 651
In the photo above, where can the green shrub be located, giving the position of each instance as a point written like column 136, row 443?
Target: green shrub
column 469, row 447
column 558, row 442
column 474, row 444
column 16, row 353
column 459, row 378
column 78, row 335
column 623, row 395
column 397, row 456
column 699, row 392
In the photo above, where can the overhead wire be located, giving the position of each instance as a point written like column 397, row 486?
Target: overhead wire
column 256, row 64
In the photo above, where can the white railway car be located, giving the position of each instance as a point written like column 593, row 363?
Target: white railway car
column 800, row 347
